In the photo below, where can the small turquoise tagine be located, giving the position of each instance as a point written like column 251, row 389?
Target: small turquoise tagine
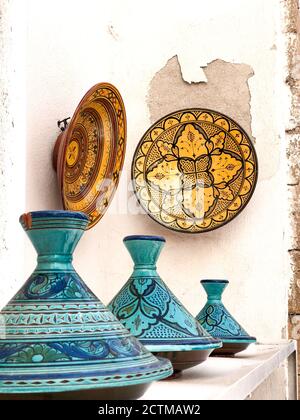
column 58, row 340
column 150, row 311
column 216, row 320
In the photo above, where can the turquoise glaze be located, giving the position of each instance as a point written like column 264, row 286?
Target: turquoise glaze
column 150, row 311
column 57, row 335
column 215, row 318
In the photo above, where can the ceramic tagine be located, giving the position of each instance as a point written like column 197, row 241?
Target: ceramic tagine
column 216, row 320
column 58, row 340
column 150, row 311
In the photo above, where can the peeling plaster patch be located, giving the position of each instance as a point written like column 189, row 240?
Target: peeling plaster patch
column 227, row 91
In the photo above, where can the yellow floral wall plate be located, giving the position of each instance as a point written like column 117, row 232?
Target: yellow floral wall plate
column 194, row 170
column 91, row 151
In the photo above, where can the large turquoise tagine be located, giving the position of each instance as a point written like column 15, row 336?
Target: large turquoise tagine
column 58, row 340
column 150, row 311
column 216, row 320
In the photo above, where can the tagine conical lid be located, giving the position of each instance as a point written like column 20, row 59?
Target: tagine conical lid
column 218, row 321
column 89, row 154
column 57, row 336
column 148, row 308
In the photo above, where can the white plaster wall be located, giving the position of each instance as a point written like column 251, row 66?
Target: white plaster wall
column 12, row 144
column 72, row 45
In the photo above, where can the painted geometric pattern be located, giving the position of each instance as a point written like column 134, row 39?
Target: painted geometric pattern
column 60, row 312
column 219, row 322
column 150, row 311
column 194, row 170
column 48, row 340
column 82, row 377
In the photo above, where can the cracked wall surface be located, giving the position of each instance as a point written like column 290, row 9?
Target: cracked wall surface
column 293, row 157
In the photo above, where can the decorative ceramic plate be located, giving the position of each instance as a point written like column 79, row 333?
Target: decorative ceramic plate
column 91, row 152
column 194, row 170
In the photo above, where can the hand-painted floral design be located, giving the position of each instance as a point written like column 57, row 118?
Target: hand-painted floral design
column 37, row 353
column 54, row 286
column 194, row 170
column 146, row 305
column 196, row 166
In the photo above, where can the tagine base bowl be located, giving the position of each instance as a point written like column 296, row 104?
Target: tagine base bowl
column 129, row 392
column 230, row 349
column 182, row 360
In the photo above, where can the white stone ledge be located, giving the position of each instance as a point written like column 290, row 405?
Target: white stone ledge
column 225, row 378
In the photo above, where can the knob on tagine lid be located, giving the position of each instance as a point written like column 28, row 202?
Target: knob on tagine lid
column 89, row 153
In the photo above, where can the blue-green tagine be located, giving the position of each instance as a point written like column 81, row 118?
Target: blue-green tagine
column 151, row 312
column 216, row 320
column 57, row 339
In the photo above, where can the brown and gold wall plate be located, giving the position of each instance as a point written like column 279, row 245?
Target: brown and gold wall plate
column 194, row 170
column 89, row 154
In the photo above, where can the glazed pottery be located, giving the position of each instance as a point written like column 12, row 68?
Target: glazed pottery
column 216, row 320
column 57, row 339
column 89, row 153
column 194, row 170
column 151, row 312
